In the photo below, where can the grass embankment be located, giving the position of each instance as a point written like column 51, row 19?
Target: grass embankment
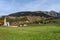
column 32, row 32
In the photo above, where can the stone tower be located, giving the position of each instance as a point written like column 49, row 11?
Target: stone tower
column 5, row 24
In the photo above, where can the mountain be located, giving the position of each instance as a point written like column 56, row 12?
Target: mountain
column 51, row 13
column 33, row 17
column 37, row 13
column 59, row 14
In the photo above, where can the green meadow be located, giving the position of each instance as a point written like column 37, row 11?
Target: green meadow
column 31, row 32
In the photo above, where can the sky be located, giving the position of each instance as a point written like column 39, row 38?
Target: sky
column 12, row 6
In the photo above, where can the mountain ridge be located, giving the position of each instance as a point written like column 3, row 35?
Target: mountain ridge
column 36, row 13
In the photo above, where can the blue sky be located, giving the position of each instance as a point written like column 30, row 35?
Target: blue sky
column 11, row 6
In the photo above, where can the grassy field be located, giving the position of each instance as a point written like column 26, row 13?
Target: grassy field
column 31, row 32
